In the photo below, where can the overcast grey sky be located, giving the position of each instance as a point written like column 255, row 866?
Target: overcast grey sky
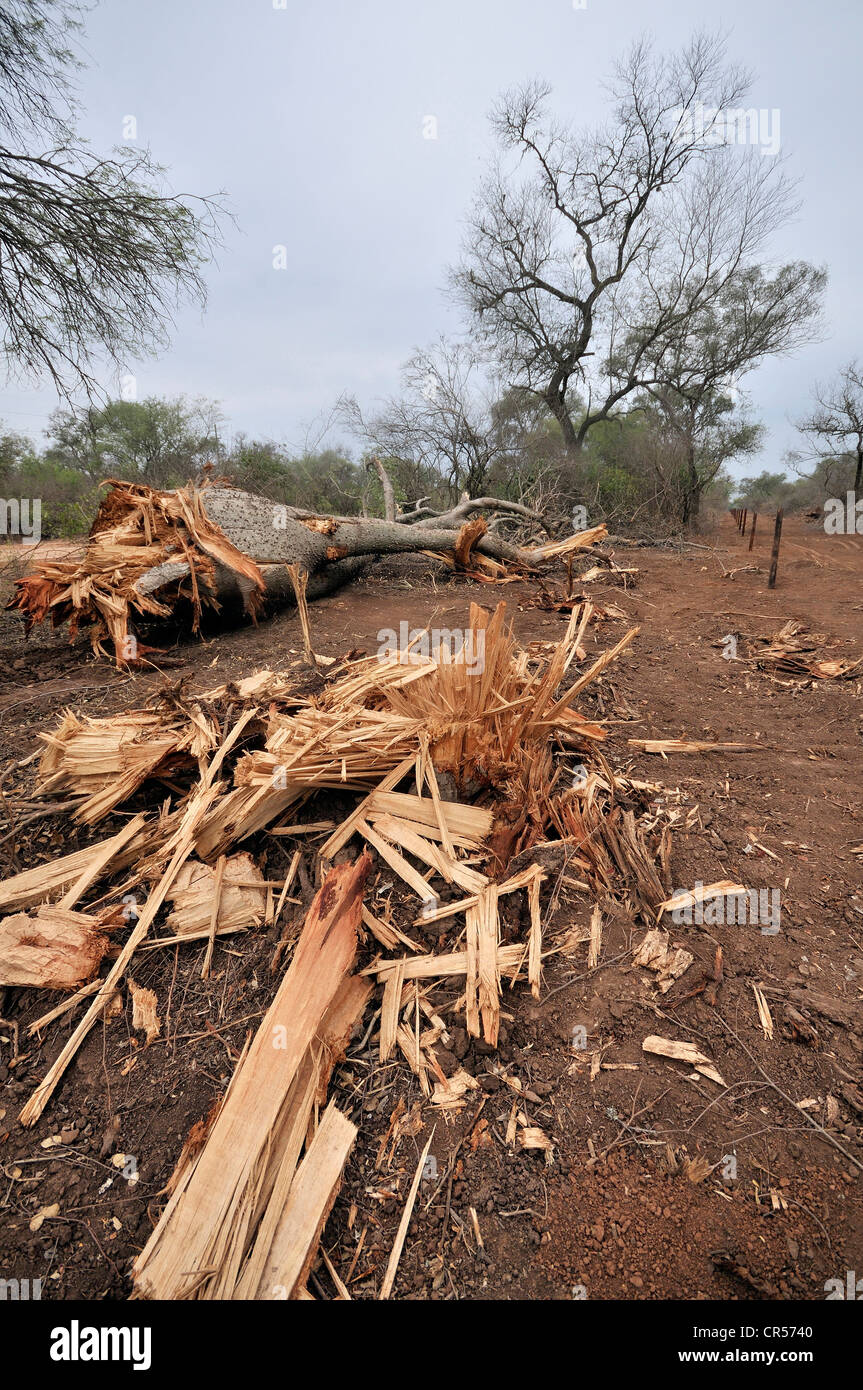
column 310, row 117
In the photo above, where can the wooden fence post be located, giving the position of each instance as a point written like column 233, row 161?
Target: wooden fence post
column 774, row 558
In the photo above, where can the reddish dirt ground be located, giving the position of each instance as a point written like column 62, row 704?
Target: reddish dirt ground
column 613, row 1214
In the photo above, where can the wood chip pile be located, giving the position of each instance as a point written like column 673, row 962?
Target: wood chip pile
column 794, row 651
column 454, row 771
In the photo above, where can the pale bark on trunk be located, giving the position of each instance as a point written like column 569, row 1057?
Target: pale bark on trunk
column 387, row 487
column 274, row 536
column 150, row 553
column 269, row 534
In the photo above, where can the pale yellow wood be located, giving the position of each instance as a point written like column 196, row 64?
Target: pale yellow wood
column 400, row 832
column 97, row 864
column 201, row 1244
column 401, row 1233
column 397, row 863
column 308, row 1204
column 534, row 954
column 434, row 967
column 595, row 939
column 340, row 837
column 466, row 824
column 179, row 846
column 390, row 1009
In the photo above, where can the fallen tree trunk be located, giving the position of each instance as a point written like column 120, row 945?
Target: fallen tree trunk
column 217, row 545
column 270, row 534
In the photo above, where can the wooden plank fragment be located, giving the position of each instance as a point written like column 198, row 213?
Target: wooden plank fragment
column 723, row 888
column 33, row 886
column 682, row 1052
column 340, row 837
column 299, row 580
column 488, row 974
column 765, row 1017
column 440, row 814
column 312, row 1194
column 414, row 1055
column 63, row 1008
column 241, row 898
column 688, row 745
column 197, row 1249
column 399, row 832
column 397, row 862
column 214, row 915
column 307, row 1090
column 387, row 934
column 467, row 826
column 440, row 967
column 390, row 1009
column 97, row 865
column 482, row 979
column 401, row 1233
column 534, row 953
column 595, row 939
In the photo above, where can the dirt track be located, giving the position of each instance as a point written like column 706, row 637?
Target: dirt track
column 614, row 1215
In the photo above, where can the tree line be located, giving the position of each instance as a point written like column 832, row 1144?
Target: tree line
column 632, row 473
column 615, row 284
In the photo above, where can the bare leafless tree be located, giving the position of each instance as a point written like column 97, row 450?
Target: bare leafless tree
column 441, row 421
column 836, row 424
column 587, row 252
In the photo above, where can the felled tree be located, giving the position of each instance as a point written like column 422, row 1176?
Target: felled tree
column 215, row 545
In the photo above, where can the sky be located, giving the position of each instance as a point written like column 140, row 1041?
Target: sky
column 311, row 116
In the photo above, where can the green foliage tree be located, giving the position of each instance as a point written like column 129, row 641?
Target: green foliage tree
column 766, row 492
column 156, row 441
column 326, row 481
column 67, row 497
